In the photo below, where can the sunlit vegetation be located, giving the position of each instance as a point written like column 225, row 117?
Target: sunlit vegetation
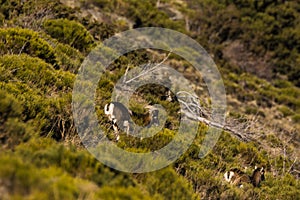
column 42, row 45
column 18, row 40
column 69, row 32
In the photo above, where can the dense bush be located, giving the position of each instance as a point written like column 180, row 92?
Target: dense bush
column 167, row 184
column 23, row 180
column 285, row 187
column 35, row 73
column 18, row 41
column 31, row 80
column 24, row 41
column 120, row 193
column 68, row 58
column 41, row 156
column 13, row 129
column 69, row 32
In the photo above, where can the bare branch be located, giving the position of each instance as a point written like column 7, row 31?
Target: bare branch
column 125, row 75
column 146, row 70
column 193, row 110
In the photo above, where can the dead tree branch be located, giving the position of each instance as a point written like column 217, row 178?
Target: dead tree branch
column 193, row 110
column 147, row 70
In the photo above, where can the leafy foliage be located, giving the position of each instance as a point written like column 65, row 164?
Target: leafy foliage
column 69, row 32
column 41, row 49
column 17, row 41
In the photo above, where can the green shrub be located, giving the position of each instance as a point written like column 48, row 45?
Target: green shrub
column 13, row 129
column 31, row 80
column 22, row 180
column 285, row 111
column 120, row 193
column 49, row 116
column 167, row 184
column 34, row 72
column 252, row 110
column 68, row 58
column 273, row 141
column 286, row 187
column 30, row 99
column 45, row 153
column 10, row 107
column 69, row 32
column 282, row 83
column 101, row 30
column 296, row 118
column 18, row 41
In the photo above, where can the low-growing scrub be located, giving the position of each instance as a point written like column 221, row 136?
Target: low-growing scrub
column 69, row 32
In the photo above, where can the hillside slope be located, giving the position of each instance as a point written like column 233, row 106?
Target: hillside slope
column 255, row 44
